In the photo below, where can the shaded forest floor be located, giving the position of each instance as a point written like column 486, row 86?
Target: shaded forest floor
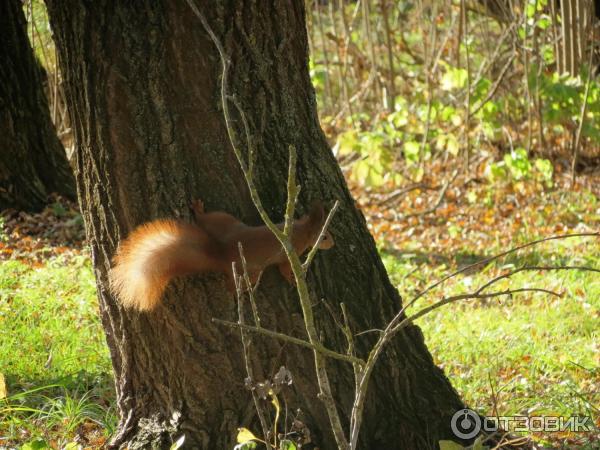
column 534, row 354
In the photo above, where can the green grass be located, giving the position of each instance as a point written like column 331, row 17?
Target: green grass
column 531, row 353
column 52, row 354
column 527, row 354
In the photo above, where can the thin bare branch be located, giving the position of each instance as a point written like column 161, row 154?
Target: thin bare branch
column 471, row 295
column 486, row 261
column 246, row 345
column 286, row 338
column 292, row 193
column 533, row 268
column 315, row 247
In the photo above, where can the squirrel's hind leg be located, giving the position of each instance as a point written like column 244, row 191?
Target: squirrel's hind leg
column 286, row 271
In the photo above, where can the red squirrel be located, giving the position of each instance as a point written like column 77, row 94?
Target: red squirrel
column 156, row 252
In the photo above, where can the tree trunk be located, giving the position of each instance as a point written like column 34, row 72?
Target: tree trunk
column 573, row 21
column 142, row 84
column 32, row 159
column 501, row 10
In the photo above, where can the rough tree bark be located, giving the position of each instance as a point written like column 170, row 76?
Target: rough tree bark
column 142, row 87
column 32, row 159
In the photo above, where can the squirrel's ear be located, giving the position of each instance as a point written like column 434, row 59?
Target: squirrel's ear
column 317, row 212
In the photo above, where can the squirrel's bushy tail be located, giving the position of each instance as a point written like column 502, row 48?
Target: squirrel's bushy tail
column 152, row 255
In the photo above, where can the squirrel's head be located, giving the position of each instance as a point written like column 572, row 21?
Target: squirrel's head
column 317, row 218
column 326, row 242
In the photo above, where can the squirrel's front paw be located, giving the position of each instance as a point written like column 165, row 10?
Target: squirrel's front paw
column 198, row 206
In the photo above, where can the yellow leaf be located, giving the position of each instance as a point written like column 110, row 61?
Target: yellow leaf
column 277, row 406
column 245, row 435
column 275, row 401
column 2, row 386
column 450, row 445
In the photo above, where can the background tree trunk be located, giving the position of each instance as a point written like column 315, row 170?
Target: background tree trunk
column 573, row 20
column 501, row 10
column 142, row 89
column 32, row 159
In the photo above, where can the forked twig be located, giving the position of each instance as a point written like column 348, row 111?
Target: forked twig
column 245, row 341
